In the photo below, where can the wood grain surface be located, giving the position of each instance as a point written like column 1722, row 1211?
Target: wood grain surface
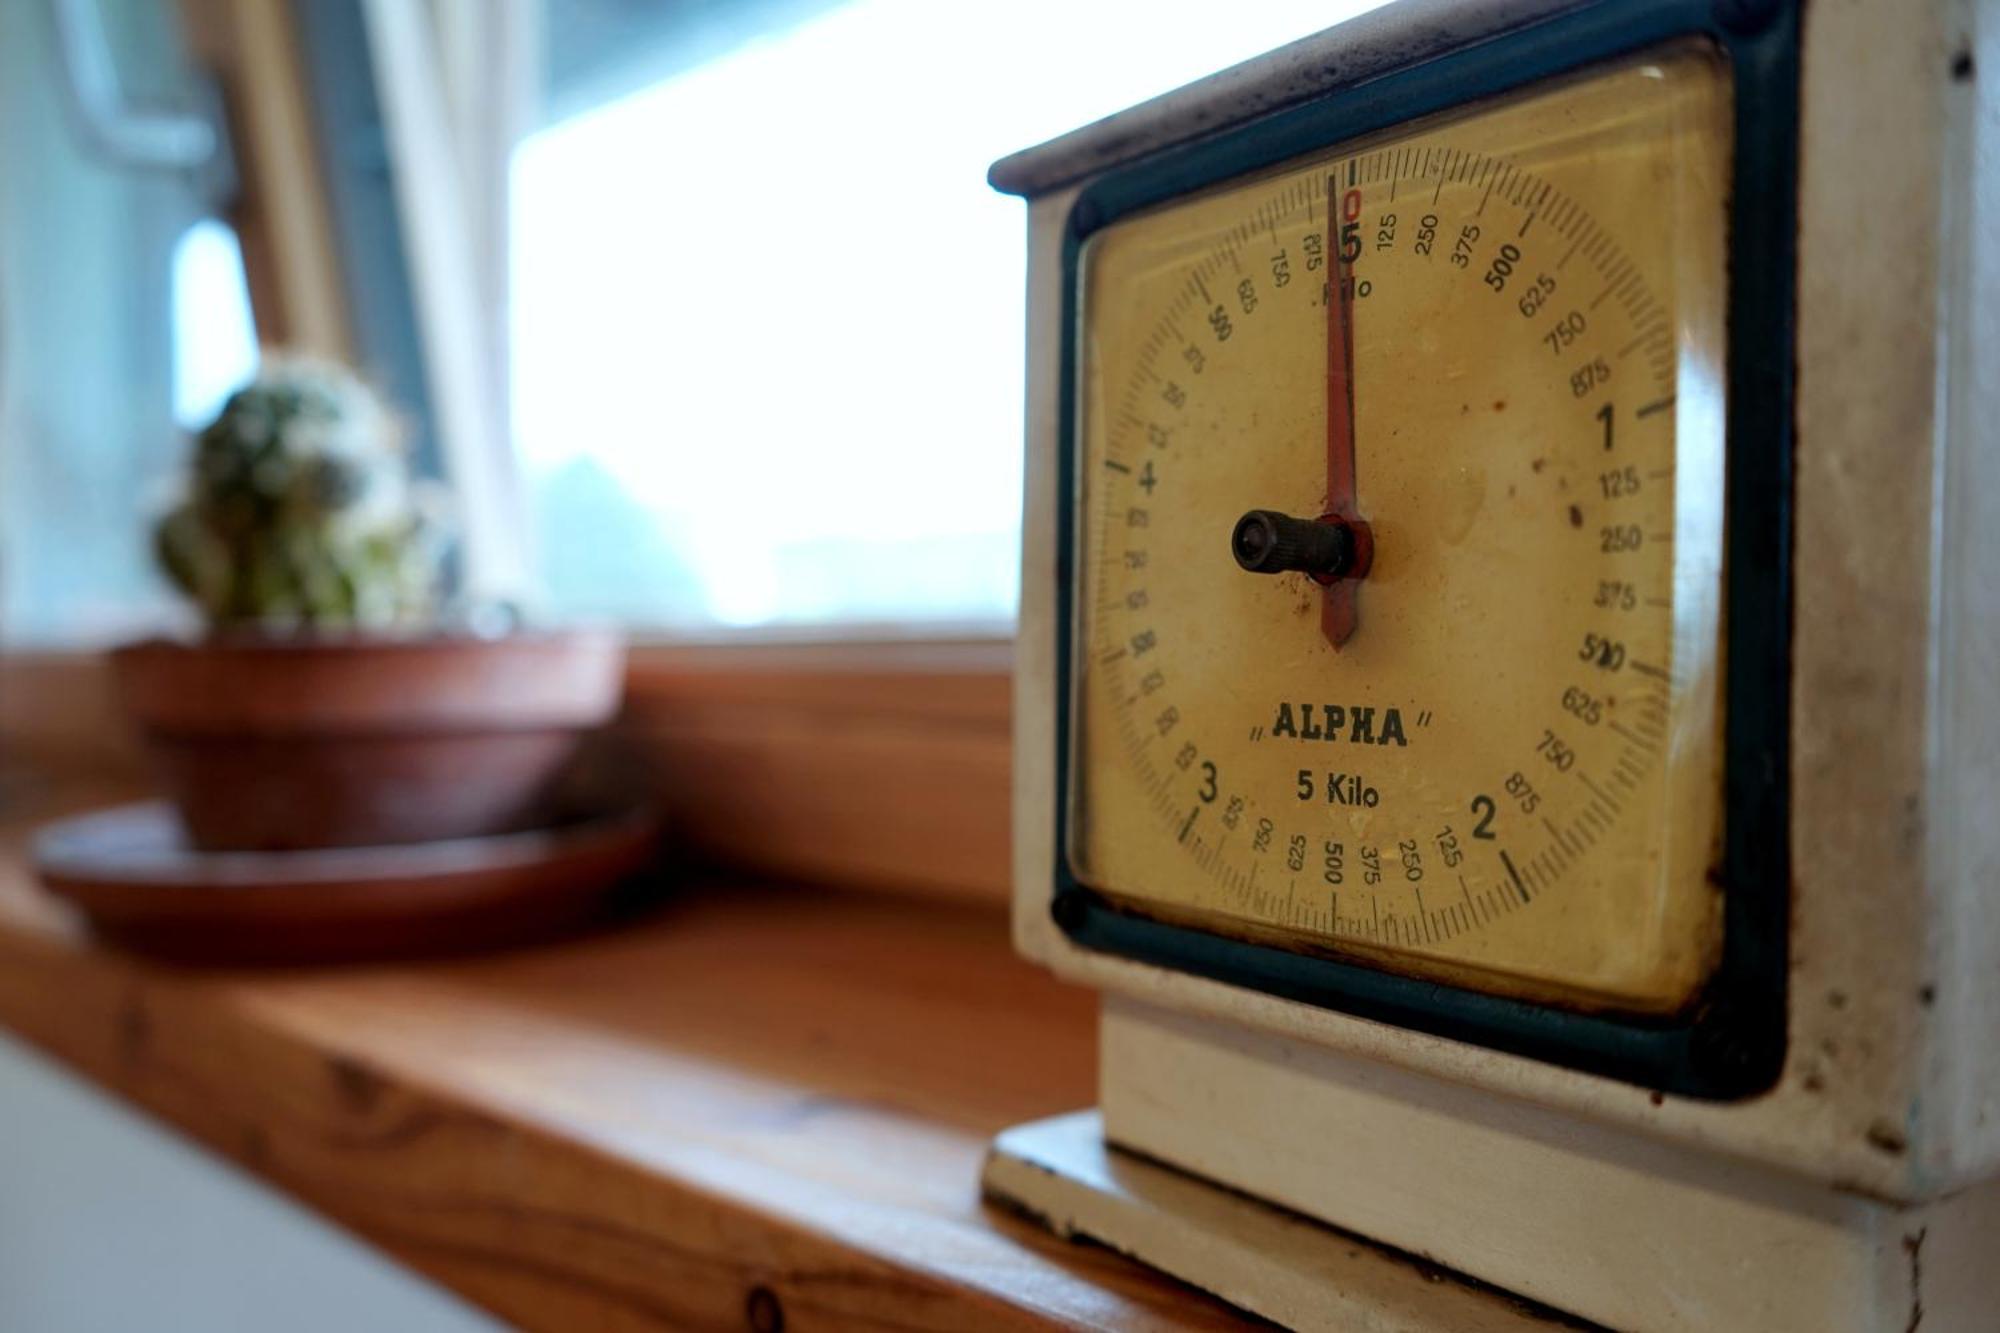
column 751, row 1099
column 868, row 764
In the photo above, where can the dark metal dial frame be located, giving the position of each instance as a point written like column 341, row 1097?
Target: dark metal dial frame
column 1730, row 1043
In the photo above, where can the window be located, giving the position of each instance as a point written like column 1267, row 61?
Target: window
column 122, row 313
column 763, row 341
column 214, row 335
column 766, row 316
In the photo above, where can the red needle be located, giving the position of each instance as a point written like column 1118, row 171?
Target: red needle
column 1338, row 613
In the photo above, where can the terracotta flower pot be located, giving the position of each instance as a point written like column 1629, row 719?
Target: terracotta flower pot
column 272, row 744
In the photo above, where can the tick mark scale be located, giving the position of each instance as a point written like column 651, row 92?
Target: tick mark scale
column 1379, row 601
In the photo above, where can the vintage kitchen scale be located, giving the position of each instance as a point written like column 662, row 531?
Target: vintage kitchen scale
column 1506, row 694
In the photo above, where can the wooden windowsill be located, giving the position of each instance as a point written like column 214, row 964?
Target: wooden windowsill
column 883, row 763
column 759, row 1085
column 755, row 1086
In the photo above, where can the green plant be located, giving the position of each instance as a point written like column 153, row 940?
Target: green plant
column 299, row 509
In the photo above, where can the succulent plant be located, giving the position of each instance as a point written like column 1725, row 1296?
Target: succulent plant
column 299, row 509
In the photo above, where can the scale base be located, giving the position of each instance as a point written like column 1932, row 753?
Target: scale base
column 1270, row 1262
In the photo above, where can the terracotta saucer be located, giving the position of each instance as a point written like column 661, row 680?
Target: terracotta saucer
column 133, row 873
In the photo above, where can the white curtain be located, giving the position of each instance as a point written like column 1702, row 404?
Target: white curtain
column 457, row 80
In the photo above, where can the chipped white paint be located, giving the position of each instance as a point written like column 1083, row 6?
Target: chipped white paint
column 1891, row 1087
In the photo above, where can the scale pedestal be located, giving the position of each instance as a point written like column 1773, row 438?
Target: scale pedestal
column 1602, row 1223
column 1277, row 1264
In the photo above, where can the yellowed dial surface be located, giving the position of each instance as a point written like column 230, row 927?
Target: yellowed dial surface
column 1487, row 349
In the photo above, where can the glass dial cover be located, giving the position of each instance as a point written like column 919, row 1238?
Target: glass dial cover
column 1399, row 500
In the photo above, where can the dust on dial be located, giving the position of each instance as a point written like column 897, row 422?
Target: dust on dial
column 1398, row 507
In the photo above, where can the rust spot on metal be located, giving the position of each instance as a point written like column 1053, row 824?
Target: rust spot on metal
column 1913, row 1246
column 1887, row 1138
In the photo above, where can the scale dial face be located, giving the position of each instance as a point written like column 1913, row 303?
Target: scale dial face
column 1399, row 499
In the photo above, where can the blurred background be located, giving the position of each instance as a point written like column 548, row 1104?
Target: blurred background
column 702, row 307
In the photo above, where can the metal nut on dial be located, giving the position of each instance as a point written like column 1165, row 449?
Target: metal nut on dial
column 1268, row 542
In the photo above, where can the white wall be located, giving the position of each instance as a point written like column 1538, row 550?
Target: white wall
column 110, row 1223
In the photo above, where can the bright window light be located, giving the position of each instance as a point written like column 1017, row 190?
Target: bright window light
column 215, row 338
column 767, row 316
